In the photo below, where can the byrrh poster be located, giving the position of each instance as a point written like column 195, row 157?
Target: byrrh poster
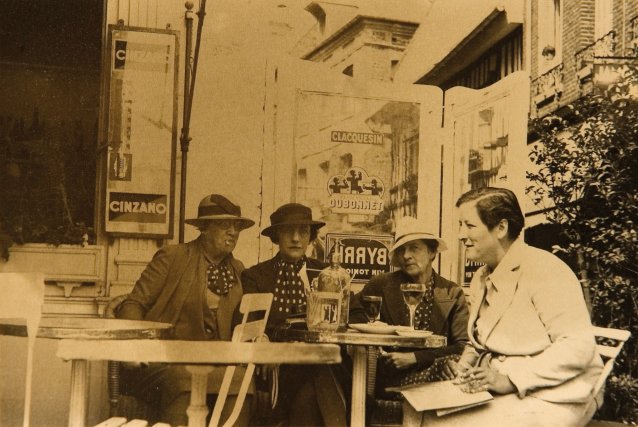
column 142, row 117
column 356, row 162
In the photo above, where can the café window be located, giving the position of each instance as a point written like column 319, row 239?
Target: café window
column 50, row 77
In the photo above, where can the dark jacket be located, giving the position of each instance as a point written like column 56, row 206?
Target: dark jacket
column 261, row 278
column 449, row 313
column 172, row 289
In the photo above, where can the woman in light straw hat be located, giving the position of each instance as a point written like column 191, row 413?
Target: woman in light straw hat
column 195, row 286
column 442, row 309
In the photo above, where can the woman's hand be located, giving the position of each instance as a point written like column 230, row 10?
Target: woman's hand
column 399, row 360
column 453, row 369
column 484, row 378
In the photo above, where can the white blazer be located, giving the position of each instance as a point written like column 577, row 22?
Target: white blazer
column 538, row 322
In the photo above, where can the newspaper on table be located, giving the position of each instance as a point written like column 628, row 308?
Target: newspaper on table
column 443, row 396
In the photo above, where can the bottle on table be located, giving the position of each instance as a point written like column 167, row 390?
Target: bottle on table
column 329, row 303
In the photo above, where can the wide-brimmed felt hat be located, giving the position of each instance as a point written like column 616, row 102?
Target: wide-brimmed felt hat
column 409, row 229
column 291, row 214
column 215, row 207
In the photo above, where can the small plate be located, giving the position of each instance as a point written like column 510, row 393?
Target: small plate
column 374, row 328
column 414, row 333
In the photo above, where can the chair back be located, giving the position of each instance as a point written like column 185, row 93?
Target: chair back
column 22, row 298
column 248, row 330
column 611, row 342
column 251, row 304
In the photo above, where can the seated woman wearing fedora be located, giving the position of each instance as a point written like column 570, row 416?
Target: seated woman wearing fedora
column 195, row 286
column 442, row 309
column 307, row 396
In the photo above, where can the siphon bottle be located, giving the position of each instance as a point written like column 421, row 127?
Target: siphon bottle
column 329, row 304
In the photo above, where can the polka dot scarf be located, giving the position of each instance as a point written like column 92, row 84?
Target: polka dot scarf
column 219, row 278
column 434, row 372
column 423, row 313
column 290, row 294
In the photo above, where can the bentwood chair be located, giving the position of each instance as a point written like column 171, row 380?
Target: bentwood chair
column 247, row 331
column 610, row 343
column 22, row 298
column 122, row 405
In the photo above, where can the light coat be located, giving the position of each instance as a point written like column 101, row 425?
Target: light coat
column 538, row 322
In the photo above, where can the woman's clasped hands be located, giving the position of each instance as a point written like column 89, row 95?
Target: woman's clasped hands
column 473, row 379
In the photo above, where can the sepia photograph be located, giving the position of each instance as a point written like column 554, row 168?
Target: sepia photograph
column 291, row 213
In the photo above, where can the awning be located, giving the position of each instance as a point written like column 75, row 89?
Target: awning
column 442, row 48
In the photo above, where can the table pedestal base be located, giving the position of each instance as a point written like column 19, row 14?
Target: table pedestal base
column 198, row 409
column 359, row 364
column 79, row 391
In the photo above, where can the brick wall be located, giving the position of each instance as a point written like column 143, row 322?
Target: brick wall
column 577, row 33
column 622, row 20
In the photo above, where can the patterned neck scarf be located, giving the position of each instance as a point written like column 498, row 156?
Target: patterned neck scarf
column 290, row 293
column 423, row 313
column 219, row 277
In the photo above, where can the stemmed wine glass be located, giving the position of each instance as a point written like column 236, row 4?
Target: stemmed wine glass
column 372, row 307
column 412, row 295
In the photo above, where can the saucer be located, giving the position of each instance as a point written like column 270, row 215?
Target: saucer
column 374, row 328
column 414, row 333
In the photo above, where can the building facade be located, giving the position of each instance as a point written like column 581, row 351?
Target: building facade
column 556, row 42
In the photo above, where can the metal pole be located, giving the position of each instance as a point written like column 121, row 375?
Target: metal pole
column 190, row 71
column 201, row 13
column 184, row 137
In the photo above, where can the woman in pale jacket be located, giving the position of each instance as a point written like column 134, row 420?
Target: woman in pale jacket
column 531, row 340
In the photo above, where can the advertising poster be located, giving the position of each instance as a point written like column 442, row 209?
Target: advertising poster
column 363, row 256
column 141, row 135
column 356, row 166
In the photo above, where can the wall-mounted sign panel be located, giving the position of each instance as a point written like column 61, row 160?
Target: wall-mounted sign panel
column 141, row 131
column 364, row 256
column 356, row 160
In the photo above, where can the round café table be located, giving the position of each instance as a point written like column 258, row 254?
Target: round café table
column 86, row 329
column 89, row 328
column 360, row 343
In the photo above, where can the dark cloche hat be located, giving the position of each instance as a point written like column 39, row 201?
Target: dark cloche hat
column 291, row 214
column 216, row 207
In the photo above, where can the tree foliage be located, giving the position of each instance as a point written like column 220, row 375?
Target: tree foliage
column 587, row 178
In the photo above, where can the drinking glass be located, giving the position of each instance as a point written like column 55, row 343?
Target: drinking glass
column 372, row 307
column 412, row 295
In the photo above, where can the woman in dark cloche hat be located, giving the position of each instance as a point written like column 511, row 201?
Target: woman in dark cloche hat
column 308, row 396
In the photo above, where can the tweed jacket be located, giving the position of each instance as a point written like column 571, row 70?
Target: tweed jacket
column 449, row 313
column 538, row 324
column 172, row 289
column 261, row 278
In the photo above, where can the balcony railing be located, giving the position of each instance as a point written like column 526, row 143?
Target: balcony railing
column 548, row 86
column 601, row 48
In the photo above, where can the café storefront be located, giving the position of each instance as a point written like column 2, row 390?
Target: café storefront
column 89, row 133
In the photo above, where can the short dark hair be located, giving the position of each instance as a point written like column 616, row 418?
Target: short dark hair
column 495, row 204
column 314, row 232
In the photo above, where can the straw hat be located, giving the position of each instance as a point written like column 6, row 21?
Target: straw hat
column 409, row 229
column 217, row 207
